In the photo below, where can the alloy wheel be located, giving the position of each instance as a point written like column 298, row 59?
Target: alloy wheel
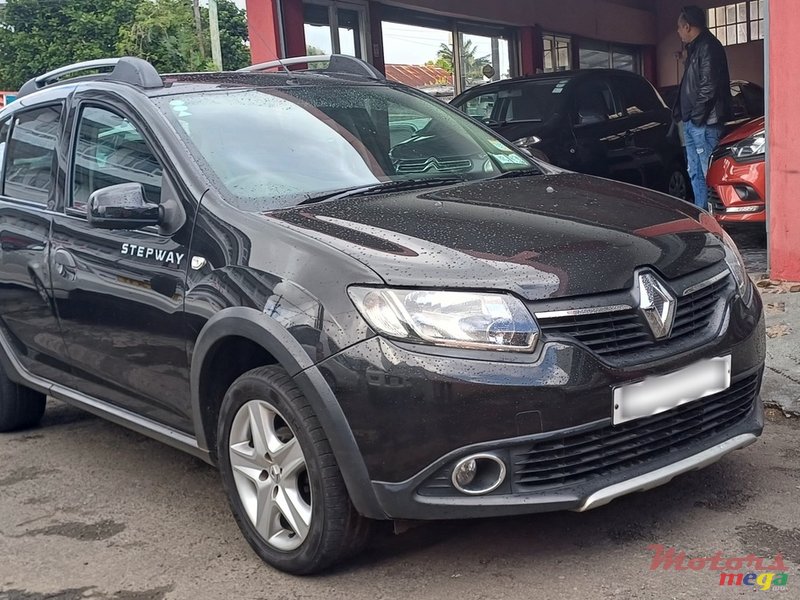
column 271, row 475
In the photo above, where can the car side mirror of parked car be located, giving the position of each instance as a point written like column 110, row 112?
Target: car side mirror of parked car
column 121, row 206
column 590, row 117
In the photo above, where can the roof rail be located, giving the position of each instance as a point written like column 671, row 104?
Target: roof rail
column 337, row 63
column 127, row 69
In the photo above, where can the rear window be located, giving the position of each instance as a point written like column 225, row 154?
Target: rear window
column 525, row 101
column 31, row 159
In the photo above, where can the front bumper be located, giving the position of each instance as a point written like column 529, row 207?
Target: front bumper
column 415, row 413
column 725, row 203
column 429, row 495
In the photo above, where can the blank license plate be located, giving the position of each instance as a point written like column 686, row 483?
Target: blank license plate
column 663, row 392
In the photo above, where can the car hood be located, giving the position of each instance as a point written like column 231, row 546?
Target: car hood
column 745, row 131
column 540, row 237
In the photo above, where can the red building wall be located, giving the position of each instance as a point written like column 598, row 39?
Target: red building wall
column 784, row 130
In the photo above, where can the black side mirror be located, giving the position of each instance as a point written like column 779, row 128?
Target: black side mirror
column 590, row 117
column 121, row 206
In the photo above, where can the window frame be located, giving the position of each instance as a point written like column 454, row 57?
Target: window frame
column 555, row 38
column 6, row 121
column 68, row 207
column 361, row 8
column 748, row 23
column 13, row 117
column 610, row 48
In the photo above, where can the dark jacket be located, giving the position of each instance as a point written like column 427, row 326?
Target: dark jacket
column 705, row 93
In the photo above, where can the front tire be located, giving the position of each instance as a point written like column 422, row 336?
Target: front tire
column 678, row 184
column 20, row 407
column 284, row 486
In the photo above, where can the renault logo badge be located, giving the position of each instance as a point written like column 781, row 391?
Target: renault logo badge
column 657, row 305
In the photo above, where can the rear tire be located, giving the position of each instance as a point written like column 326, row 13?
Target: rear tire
column 276, row 461
column 20, row 407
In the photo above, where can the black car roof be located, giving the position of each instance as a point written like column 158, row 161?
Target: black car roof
column 572, row 75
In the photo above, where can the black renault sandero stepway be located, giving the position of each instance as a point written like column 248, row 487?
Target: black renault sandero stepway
column 265, row 270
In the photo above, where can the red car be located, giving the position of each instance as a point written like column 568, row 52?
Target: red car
column 737, row 180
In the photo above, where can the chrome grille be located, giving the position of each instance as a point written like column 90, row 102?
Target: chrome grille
column 574, row 458
column 623, row 333
column 715, row 201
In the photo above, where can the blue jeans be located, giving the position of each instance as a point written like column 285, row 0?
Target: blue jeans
column 700, row 143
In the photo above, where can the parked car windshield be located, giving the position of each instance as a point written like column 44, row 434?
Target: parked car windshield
column 278, row 147
column 519, row 102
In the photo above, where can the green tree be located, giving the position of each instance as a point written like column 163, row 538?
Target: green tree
column 472, row 64
column 163, row 32
column 233, row 35
column 39, row 35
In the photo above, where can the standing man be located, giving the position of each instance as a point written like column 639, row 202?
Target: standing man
column 704, row 101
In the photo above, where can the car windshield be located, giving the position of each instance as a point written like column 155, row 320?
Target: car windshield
column 277, row 147
column 520, row 102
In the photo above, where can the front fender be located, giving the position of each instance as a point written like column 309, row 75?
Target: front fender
column 274, row 338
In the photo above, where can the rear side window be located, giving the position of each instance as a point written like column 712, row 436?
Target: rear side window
column 637, row 96
column 31, row 155
column 110, row 151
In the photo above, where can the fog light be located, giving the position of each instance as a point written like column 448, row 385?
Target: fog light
column 746, row 193
column 478, row 474
column 465, row 472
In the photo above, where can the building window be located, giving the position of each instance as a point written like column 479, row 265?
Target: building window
column 557, row 52
column 444, row 57
column 332, row 27
column 602, row 55
column 737, row 23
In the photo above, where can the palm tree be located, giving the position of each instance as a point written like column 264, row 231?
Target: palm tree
column 472, row 65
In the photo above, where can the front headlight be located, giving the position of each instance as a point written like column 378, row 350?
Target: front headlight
column 737, row 268
column 752, row 147
column 474, row 320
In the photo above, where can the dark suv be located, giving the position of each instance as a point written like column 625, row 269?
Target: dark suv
column 247, row 266
column 603, row 122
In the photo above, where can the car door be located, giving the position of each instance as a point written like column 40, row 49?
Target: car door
column 599, row 129
column 28, row 159
column 120, row 293
column 650, row 139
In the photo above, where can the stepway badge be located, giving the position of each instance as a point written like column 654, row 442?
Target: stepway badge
column 163, row 256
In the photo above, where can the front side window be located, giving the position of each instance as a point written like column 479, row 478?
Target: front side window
column 637, row 95
column 595, row 104
column 274, row 148
column 31, row 155
column 530, row 101
column 110, row 151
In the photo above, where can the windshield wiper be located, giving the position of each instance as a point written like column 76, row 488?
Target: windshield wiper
column 385, row 186
column 520, row 173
